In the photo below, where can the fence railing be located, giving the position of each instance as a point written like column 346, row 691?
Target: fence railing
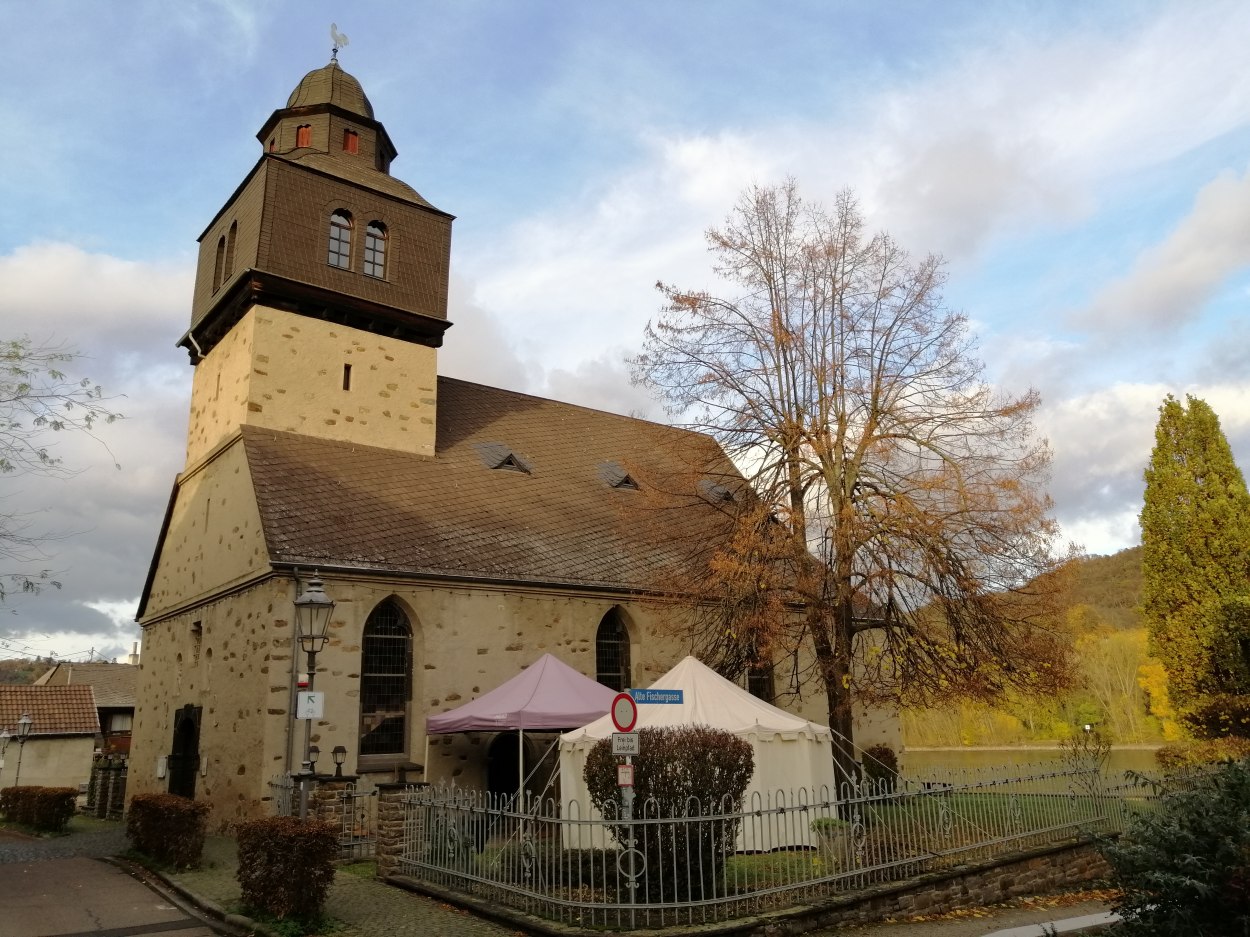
column 699, row 862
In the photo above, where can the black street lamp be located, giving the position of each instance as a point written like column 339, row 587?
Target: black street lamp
column 4, row 747
column 339, row 754
column 313, row 609
column 24, row 723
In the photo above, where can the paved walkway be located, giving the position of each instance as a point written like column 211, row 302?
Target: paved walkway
column 366, row 907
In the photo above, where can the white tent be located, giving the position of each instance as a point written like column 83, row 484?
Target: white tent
column 793, row 756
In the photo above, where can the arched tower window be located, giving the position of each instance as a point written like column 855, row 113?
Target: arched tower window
column 341, row 240
column 612, row 652
column 303, row 135
column 230, row 239
column 220, row 263
column 385, row 681
column 375, row 249
column 351, row 141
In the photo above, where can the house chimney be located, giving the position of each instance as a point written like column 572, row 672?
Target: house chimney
column 133, row 659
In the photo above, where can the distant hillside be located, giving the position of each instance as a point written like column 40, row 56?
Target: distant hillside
column 1110, row 586
column 22, row 671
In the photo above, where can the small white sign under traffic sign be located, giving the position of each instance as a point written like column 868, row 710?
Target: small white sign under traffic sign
column 625, row 743
column 624, row 775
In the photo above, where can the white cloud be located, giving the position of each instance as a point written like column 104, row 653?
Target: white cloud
column 1172, row 281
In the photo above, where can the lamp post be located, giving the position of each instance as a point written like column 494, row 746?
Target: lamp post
column 24, row 723
column 339, row 754
column 312, row 617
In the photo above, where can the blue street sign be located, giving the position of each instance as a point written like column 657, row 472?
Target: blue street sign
column 657, row 696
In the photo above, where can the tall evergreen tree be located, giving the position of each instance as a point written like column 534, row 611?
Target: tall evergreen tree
column 1196, row 545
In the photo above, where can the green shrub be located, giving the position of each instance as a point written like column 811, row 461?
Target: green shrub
column 47, row 809
column 881, row 768
column 1219, row 716
column 1184, row 868
column 286, row 866
column 1203, row 752
column 680, row 771
column 168, row 828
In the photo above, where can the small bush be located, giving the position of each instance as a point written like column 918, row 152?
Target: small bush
column 47, row 809
column 168, row 828
column 286, row 866
column 1205, row 752
column 680, row 771
column 1184, row 868
column 881, row 768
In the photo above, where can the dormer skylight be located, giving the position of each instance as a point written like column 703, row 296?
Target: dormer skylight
column 616, row 477
column 497, row 455
column 715, row 493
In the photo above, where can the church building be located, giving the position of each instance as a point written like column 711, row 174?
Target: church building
column 461, row 530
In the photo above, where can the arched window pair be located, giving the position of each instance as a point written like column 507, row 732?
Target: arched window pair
column 224, row 265
column 340, row 254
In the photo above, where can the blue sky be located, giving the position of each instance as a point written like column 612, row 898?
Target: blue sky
column 1084, row 168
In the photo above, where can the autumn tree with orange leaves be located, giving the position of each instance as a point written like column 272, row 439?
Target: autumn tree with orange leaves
column 897, row 539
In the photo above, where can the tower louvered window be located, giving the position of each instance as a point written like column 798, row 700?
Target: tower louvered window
column 385, row 681
column 340, row 240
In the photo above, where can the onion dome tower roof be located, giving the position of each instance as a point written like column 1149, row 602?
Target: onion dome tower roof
column 331, row 85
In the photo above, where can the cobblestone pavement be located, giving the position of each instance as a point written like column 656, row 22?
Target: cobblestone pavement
column 94, row 844
column 366, row 907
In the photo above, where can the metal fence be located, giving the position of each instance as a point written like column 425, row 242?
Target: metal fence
column 354, row 811
column 358, row 817
column 698, row 862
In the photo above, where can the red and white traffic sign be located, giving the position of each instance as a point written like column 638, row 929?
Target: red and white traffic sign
column 624, row 712
column 624, row 775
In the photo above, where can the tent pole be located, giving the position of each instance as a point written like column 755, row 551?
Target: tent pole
column 520, row 766
column 425, row 766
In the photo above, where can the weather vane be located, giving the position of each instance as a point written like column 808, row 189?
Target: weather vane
column 339, row 41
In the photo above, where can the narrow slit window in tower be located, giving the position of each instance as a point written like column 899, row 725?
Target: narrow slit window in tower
column 347, row 377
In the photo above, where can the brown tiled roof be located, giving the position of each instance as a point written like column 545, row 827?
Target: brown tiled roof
column 359, row 173
column 57, row 710
column 114, row 684
column 551, row 515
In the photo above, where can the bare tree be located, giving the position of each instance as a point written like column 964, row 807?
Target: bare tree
column 37, row 400
column 900, row 537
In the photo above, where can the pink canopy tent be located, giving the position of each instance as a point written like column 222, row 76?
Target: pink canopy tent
column 547, row 695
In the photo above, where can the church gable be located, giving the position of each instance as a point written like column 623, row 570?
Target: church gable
column 212, row 537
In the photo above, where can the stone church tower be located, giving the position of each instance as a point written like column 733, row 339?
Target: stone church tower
column 321, row 291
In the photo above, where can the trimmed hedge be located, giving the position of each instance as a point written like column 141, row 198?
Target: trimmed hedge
column 47, row 809
column 286, row 866
column 680, row 771
column 168, row 828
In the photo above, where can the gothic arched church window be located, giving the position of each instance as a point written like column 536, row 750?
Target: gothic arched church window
column 612, row 652
column 385, row 668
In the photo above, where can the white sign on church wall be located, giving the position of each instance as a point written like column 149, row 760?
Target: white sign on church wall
column 310, row 704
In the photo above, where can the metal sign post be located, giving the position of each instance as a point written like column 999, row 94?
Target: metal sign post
column 625, row 742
